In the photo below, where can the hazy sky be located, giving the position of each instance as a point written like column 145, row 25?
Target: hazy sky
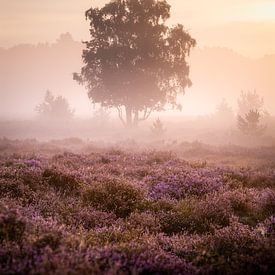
column 246, row 26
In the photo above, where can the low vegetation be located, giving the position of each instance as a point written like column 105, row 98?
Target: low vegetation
column 110, row 211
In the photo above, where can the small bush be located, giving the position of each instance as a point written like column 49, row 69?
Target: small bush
column 146, row 222
column 267, row 202
column 158, row 206
column 11, row 188
column 91, row 218
column 53, row 240
column 12, row 228
column 61, row 182
column 111, row 235
column 178, row 219
column 111, row 196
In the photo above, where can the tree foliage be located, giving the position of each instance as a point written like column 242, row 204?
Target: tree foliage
column 250, row 124
column 224, row 111
column 134, row 61
column 250, row 101
column 54, row 108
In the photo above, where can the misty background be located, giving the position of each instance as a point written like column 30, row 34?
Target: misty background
column 27, row 71
column 41, row 47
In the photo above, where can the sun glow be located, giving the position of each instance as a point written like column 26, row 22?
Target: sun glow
column 259, row 12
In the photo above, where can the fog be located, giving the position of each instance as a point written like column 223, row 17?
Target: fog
column 28, row 71
column 147, row 148
column 219, row 75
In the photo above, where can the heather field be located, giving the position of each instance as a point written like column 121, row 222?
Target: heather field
column 82, row 208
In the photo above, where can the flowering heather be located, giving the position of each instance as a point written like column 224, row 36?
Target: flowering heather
column 106, row 211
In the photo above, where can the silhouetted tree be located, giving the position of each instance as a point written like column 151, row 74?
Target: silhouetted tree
column 224, row 112
column 134, row 61
column 102, row 116
column 54, row 108
column 158, row 128
column 250, row 101
column 250, row 124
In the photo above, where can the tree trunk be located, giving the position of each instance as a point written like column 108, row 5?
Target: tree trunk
column 129, row 120
column 135, row 122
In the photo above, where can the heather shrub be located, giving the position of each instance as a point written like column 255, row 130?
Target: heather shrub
column 142, row 258
column 60, row 181
column 111, row 235
column 105, row 160
column 267, row 202
column 135, row 213
column 158, row 206
column 11, row 188
column 114, row 196
column 250, row 205
column 210, row 213
column 270, row 226
column 12, row 227
column 238, row 249
column 245, row 212
column 52, row 240
column 196, row 216
column 180, row 218
column 233, row 238
column 145, row 221
column 261, row 181
column 31, row 178
column 90, row 218
column 158, row 157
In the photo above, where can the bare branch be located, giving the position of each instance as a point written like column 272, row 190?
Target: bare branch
column 120, row 115
column 146, row 114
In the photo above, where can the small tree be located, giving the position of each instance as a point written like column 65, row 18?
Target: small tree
column 250, row 101
column 158, row 128
column 134, row 61
column 250, row 124
column 54, row 108
column 224, row 112
column 102, row 116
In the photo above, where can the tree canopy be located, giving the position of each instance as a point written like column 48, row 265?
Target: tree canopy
column 250, row 101
column 250, row 124
column 134, row 61
column 54, row 108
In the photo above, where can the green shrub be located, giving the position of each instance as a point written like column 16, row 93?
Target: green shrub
column 60, row 181
column 11, row 188
column 53, row 240
column 146, row 222
column 12, row 228
column 110, row 235
column 111, row 196
column 179, row 219
column 157, row 206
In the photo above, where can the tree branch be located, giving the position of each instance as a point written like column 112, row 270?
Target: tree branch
column 120, row 115
column 146, row 114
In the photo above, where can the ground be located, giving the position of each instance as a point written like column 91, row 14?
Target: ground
column 70, row 207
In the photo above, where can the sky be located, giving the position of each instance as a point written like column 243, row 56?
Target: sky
column 245, row 26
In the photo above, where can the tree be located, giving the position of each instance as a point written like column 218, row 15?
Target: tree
column 158, row 128
column 102, row 116
column 54, row 108
column 224, row 112
column 134, row 61
column 250, row 101
column 250, row 124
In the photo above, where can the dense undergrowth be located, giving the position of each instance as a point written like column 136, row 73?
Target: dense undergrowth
column 117, row 212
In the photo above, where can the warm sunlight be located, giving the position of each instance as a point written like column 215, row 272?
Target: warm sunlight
column 258, row 12
column 137, row 137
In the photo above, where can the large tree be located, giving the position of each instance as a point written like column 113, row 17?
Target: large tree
column 134, row 61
